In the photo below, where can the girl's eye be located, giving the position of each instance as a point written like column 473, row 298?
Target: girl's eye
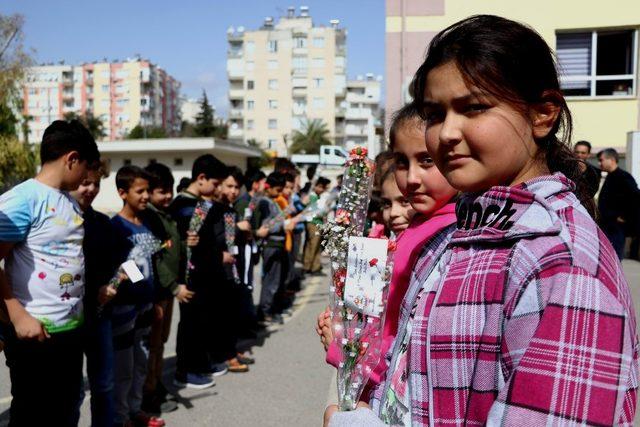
column 401, row 162
column 433, row 116
column 425, row 160
column 476, row 108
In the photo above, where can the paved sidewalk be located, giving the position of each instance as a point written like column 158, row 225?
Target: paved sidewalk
column 289, row 385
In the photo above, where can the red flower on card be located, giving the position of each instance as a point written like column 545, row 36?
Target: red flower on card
column 392, row 245
column 42, row 275
column 373, row 262
column 343, row 217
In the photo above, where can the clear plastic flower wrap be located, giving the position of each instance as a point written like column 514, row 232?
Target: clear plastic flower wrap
column 356, row 332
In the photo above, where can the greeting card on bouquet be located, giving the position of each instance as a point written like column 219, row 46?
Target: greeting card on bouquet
column 365, row 281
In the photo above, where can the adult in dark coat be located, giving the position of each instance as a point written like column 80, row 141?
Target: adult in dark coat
column 618, row 202
column 592, row 176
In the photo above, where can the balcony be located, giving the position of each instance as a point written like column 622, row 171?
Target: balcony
column 340, row 112
column 300, row 51
column 235, row 113
column 235, row 68
column 236, row 133
column 299, row 92
column 357, row 114
column 67, row 95
column 351, row 130
column 233, row 53
column 236, row 94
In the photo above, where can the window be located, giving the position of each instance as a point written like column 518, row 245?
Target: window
column 105, row 74
column 250, row 65
column 318, row 42
column 300, row 102
column 273, row 104
column 122, row 102
column 105, row 88
column 250, row 47
column 299, row 62
column 33, row 91
column 251, row 105
column 296, row 123
column 318, row 82
column 178, row 161
column 597, row 63
column 272, row 46
column 273, row 84
column 273, row 124
column 105, row 103
column 299, row 42
column 272, row 143
column 317, row 62
column 250, row 124
column 272, row 65
column 250, row 84
column 121, row 74
column 318, row 102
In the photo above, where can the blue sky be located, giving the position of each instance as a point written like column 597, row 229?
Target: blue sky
column 187, row 38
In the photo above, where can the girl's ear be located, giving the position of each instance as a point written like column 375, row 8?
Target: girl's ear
column 544, row 115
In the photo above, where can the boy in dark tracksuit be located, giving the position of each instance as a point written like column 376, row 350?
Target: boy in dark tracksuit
column 193, row 364
column 274, row 255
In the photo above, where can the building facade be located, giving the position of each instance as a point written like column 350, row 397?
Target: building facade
column 121, row 94
column 358, row 116
column 596, row 46
column 189, row 109
column 282, row 75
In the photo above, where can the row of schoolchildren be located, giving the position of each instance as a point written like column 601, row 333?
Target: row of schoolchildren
column 65, row 293
column 504, row 290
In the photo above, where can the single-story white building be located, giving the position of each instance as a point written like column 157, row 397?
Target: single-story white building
column 177, row 153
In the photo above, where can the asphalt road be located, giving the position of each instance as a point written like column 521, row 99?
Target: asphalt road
column 289, row 385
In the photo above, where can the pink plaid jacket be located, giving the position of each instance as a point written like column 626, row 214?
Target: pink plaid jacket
column 531, row 322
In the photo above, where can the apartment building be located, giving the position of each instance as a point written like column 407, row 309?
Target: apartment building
column 121, row 94
column 596, row 45
column 282, row 75
column 358, row 115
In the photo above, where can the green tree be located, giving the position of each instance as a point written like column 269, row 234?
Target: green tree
column 314, row 135
column 138, row 132
column 14, row 62
column 94, row 125
column 17, row 162
column 204, row 120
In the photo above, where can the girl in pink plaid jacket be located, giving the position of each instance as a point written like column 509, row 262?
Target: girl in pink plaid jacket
column 523, row 315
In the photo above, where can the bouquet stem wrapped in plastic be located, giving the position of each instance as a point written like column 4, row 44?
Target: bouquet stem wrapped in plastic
column 356, row 319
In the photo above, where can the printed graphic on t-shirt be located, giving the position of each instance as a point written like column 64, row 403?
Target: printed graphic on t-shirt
column 46, row 265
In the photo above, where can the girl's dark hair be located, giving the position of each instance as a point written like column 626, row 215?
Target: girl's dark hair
column 512, row 62
column 405, row 115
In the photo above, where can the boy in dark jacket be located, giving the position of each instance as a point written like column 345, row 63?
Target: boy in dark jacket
column 192, row 348
column 100, row 265
column 170, row 278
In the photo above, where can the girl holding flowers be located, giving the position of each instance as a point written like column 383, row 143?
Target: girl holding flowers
column 526, row 317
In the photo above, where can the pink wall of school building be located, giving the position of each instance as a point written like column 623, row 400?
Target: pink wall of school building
column 405, row 50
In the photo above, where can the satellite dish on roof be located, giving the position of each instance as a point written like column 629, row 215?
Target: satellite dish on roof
column 241, row 29
column 231, row 30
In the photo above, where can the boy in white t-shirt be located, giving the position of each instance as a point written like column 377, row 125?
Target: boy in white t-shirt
column 42, row 284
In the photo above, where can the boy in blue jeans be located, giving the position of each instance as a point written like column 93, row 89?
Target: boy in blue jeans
column 132, row 308
column 42, row 283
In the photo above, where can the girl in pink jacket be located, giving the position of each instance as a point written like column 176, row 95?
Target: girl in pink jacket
column 523, row 315
column 431, row 196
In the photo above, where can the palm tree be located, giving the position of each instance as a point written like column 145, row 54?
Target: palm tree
column 314, row 135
